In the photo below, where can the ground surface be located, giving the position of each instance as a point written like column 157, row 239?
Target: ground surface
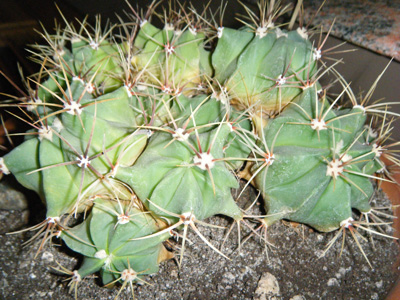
column 294, row 262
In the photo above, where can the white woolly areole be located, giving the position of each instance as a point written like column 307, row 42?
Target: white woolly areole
column 94, row 45
column 52, row 220
column 107, row 262
column 73, row 108
column 193, row 30
column 45, row 133
column 317, row 54
column 381, row 170
column 57, row 125
column 200, row 87
column 318, row 125
column 178, row 32
column 128, row 90
column 180, row 135
column 123, row 219
column 147, row 132
column 279, row 33
column 221, row 95
column 142, row 22
column 75, row 39
column 377, row 150
column 347, row 223
column 3, row 167
column 269, row 159
column 302, row 32
column 362, row 108
column 338, row 148
column 34, row 102
column 77, row 78
column 90, row 87
column 169, row 26
column 230, row 128
column 187, row 218
column 261, row 32
column 177, row 92
column 204, row 161
column 169, row 49
column 101, row 254
column 128, row 275
column 141, row 87
column 371, row 133
column 76, row 277
column 281, row 80
column 346, row 158
column 334, row 168
column 166, row 89
column 220, row 31
column 83, row 161
column 58, row 53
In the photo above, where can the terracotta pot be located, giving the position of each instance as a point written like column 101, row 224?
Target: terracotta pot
column 393, row 192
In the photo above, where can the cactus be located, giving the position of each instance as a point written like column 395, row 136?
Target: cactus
column 146, row 134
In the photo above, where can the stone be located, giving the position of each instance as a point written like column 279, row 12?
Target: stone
column 11, row 199
column 268, row 288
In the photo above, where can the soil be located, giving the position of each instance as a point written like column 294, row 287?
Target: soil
column 294, row 259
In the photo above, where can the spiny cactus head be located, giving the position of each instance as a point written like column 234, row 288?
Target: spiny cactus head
column 318, row 172
column 110, row 240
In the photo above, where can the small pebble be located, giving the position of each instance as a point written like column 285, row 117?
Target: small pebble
column 333, row 282
column 379, row 284
column 47, row 256
column 11, row 199
column 228, row 278
column 268, row 288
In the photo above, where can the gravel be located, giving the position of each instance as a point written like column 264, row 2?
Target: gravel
column 293, row 261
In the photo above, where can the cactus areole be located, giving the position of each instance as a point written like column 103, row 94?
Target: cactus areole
column 145, row 130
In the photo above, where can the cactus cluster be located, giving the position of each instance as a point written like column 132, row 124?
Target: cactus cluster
column 145, row 131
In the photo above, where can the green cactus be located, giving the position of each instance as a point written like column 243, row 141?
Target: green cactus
column 148, row 134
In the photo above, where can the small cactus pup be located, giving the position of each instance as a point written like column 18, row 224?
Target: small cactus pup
column 108, row 241
column 320, row 164
column 261, row 66
column 74, row 160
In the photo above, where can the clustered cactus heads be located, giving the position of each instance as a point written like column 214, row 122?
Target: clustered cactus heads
column 147, row 131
